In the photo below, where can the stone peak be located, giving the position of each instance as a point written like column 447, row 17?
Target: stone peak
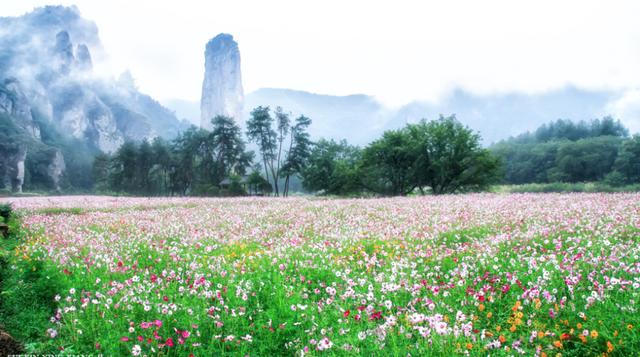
column 220, row 42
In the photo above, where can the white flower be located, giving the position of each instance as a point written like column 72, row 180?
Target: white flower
column 136, row 350
column 324, row 344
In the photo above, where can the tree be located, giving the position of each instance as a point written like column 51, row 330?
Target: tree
column 228, row 148
column 258, row 184
column 101, row 172
column 449, row 157
column 159, row 175
column 389, row 163
column 259, row 131
column 144, row 163
column 299, row 151
column 283, row 124
column 188, row 153
column 587, row 159
column 332, row 168
column 628, row 161
column 125, row 168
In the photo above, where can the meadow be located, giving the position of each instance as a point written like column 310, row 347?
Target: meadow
column 476, row 274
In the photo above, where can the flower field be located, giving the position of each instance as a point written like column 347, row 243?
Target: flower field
column 467, row 274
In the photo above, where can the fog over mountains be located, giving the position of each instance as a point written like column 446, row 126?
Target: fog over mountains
column 48, row 84
column 361, row 118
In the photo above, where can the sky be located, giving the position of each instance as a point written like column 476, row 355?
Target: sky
column 397, row 51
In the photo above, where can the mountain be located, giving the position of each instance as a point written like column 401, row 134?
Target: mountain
column 361, row 118
column 57, row 109
column 222, row 92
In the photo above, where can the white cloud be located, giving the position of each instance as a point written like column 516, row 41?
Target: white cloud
column 398, row 51
column 627, row 107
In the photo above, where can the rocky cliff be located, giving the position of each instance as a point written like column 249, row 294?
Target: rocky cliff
column 222, row 92
column 47, row 83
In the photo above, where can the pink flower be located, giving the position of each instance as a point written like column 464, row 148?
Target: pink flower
column 185, row 334
column 169, row 342
column 158, row 323
column 124, row 339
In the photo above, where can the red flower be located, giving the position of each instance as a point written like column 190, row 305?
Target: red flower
column 346, row 313
column 376, row 315
column 169, row 342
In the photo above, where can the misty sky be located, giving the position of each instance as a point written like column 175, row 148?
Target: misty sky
column 396, row 50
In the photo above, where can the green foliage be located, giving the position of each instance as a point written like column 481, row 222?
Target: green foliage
column 27, row 287
column 260, row 131
column 563, row 129
column 585, row 159
column 564, row 151
column 449, row 157
column 389, row 164
column 5, row 212
column 332, row 168
column 257, row 184
column 442, row 155
column 628, row 161
column 193, row 163
column 299, row 151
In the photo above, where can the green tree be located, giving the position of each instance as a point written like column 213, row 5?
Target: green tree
column 159, row 175
column 125, row 168
column 101, row 172
column 628, row 161
column 332, row 168
column 299, row 151
column 389, row 164
column 449, row 157
column 260, row 131
column 587, row 159
column 144, row 163
column 229, row 149
column 258, row 184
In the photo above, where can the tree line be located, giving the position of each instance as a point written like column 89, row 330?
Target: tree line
column 211, row 163
column 567, row 151
column 439, row 156
column 429, row 157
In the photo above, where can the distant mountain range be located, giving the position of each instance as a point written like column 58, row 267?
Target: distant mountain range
column 361, row 118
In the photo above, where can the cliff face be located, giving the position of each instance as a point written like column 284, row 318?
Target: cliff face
column 47, row 81
column 222, row 92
